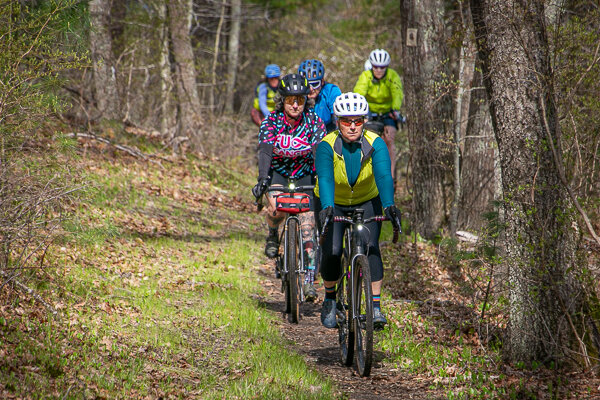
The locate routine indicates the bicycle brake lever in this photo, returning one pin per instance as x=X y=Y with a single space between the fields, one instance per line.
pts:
x=324 y=231
x=259 y=204
x=395 y=237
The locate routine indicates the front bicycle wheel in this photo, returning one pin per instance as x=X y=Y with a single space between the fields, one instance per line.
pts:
x=363 y=321
x=344 y=316
x=292 y=284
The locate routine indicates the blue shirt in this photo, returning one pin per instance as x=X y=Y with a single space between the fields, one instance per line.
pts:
x=352 y=158
x=324 y=104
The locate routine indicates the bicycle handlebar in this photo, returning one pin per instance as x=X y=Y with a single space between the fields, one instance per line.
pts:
x=349 y=220
x=295 y=189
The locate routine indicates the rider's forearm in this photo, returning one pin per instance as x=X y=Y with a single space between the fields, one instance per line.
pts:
x=265 y=154
x=383 y=173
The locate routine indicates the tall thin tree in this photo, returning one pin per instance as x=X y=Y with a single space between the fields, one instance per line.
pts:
x=233 y=51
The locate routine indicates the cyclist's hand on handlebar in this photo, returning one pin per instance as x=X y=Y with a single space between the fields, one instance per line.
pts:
x=394 y=216
x=259 y=189
x=325 y=215
x=398 y=117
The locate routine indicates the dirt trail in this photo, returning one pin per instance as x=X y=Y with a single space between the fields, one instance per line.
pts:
x=319 y=346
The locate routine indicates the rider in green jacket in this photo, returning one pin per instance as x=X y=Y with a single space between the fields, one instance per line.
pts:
x=382 y=88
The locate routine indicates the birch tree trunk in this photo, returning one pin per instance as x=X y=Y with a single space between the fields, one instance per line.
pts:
x=105 y=81
x=232 y=58
x=539 y=241
x=189 y=117
x=429 y=110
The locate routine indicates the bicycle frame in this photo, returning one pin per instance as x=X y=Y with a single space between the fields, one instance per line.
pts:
x=285 y=236
x=291 y=200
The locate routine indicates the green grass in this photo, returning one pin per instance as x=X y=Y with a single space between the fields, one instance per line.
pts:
x=155 y=299
x=417 y=345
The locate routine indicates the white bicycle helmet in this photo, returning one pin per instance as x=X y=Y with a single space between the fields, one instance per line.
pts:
x=350 y=104
x=379 y=58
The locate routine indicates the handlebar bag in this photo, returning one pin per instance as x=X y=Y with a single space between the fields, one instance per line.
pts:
x=293 y=203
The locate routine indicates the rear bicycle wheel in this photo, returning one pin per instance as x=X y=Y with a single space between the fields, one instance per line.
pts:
x=344 y=316
x=363 y=321
x=292 y=284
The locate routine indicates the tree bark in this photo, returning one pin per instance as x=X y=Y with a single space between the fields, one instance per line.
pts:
x=189 y=117
x=479 y=176
x=429 y=110
x=105 y=81
x=232 y=58
x=466 y=70
x=539 y=242
x=166 y=83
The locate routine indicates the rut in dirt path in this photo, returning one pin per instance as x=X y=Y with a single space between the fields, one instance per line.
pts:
x=319 y=347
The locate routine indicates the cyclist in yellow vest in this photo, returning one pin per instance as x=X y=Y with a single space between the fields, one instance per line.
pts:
x=265 y=93
x=382 y=88
x=353 y=171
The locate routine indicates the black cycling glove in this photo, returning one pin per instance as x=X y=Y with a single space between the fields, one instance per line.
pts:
x=394 y=216
x=325 y=214
x=259 y=189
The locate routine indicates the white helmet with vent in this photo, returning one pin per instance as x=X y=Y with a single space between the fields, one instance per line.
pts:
x=379 y=58
x=350 y=104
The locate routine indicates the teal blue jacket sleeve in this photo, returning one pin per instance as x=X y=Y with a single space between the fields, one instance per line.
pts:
x=324 y=168
x=382 y=171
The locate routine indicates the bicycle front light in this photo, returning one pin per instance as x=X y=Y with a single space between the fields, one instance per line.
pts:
x=359 y=227
x=292 y=186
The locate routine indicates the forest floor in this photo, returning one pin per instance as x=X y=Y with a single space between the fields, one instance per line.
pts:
x=162 y=291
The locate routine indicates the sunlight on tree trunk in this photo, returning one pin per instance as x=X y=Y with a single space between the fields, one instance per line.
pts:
x=540 y=244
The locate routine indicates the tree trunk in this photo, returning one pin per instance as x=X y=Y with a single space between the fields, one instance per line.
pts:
x=539 y=242
x=105 y=81
x=466 y=71
x=232 y=58
x=213 y=87
x=429 y=110
x=189 y=118
x=479 y=175
x=166 y=83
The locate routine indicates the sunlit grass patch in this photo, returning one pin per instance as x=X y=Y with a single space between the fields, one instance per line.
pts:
x=417 y=343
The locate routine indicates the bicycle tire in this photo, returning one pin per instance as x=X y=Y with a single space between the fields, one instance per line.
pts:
x=292 y=271
x=363 y=322
x=284 y=284
x=344 y=314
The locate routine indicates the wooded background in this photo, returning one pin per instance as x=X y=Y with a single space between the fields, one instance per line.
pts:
x=501 y=97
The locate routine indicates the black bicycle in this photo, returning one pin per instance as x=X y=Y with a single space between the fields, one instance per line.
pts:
x=354 y=297
x=375 y=122
x=290 y=265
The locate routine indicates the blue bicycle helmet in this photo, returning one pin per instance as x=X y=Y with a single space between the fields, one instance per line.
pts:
x=272 y=71
x=293 y=85
x=313 y=70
